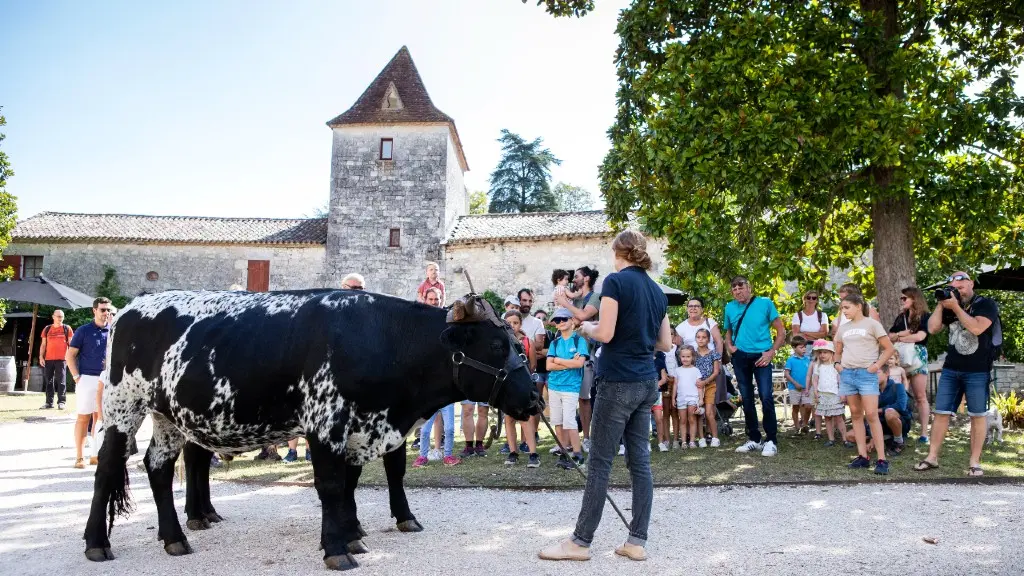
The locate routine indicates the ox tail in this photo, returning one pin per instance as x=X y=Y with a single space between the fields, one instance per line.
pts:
x=119 y=500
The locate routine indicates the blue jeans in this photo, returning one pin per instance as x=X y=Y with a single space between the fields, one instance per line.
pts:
x=746 y=373
x=621 y=410
x=448 y=418
x=858 y=381
x=954 y=385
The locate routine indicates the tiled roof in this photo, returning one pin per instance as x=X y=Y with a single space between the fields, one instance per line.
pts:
x=485 y=227
x=416 y=106
x=67 y=227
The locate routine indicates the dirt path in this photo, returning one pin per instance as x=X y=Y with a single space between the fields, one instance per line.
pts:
x=275 y=530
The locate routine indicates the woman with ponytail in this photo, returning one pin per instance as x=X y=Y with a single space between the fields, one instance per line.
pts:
x=633 y=324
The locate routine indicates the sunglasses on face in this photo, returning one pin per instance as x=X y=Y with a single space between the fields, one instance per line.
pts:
x=693 y=306
x=355 y=287
x=739 y=284
x=104 y=309
x=810 y=297
x=957 y=278
x=560 y=320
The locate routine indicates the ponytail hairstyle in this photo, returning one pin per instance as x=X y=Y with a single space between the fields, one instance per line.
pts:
x=858 y=300
x=631 y=246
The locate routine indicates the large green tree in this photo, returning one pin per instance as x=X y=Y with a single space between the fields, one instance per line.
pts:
x=8 y=207
x=478 y=202
x=780 y=138
x=522 y=180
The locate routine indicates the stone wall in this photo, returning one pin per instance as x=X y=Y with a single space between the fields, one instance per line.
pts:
x=370 y=196
x=457 y=197
x=505 y=267
x=193 y=267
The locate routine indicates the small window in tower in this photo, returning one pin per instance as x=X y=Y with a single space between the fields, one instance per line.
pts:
x=386 y=148
x=395 y=238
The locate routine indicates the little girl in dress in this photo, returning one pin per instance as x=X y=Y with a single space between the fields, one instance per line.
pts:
x=560 y=279
x=825 y=388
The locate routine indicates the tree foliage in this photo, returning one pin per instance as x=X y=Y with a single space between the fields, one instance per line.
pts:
x=522 y=180
x=8 y=209
x=569 y=198
x=566 y=7
x=109 y=287
x=780 y=139
x=478 y=202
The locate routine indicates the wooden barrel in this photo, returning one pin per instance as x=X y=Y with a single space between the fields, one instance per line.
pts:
x=8 y=373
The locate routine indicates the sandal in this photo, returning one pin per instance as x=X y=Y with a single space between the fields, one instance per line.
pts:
x=975 y=471
x=925 y=465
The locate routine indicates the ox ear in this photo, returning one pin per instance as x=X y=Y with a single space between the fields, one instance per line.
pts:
x=454 y=338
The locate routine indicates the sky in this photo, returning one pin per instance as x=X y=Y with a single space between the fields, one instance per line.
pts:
x=220 y=108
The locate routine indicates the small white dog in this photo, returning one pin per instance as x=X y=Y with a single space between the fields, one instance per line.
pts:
x=993 y=421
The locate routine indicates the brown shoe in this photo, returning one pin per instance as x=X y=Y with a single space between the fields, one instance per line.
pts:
x=79 y=463
x=93 y=461
x=565 y=550
x=632 y=551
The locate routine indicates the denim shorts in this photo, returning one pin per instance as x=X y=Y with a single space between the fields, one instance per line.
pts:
x=954 y=385
x=471 y=403
x=858 y=381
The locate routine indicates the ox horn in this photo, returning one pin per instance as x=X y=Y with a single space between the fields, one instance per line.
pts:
x=465 y=272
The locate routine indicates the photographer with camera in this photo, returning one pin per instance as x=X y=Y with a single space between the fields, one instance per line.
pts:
x=973 y=321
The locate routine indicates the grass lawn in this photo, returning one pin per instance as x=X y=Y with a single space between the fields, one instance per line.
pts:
x=18 y=407
x=799 y=460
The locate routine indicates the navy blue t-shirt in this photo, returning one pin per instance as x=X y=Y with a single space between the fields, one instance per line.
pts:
x=91 y=341
x=629 y=356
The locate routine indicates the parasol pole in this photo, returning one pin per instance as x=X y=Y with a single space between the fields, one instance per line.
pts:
x=31 y=341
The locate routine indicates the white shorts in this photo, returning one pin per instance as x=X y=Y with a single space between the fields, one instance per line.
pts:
x=562 y=406
x=85 y=393
x=683 y=401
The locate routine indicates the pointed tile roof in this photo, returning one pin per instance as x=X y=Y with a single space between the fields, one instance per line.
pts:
x=476 y=228
x=416 y=106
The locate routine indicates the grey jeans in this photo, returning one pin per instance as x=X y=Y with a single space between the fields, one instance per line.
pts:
x=621 y=410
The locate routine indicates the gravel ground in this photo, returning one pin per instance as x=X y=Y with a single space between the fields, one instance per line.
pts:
x=275 y=530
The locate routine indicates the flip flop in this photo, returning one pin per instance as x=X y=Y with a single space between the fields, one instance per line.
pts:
x=975 y=471
x=925 y=465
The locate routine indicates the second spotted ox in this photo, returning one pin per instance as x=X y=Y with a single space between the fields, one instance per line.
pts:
x=228 y=372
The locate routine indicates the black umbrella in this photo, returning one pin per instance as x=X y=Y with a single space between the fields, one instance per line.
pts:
x=40 y=290
x=1010 y=279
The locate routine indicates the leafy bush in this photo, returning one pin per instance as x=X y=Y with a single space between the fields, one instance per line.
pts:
x=496 y=301
x=1011 y=406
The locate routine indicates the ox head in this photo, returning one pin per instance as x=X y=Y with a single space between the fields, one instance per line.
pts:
x=488 y=363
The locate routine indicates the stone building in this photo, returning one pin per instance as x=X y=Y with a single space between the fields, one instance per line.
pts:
x=397 y=200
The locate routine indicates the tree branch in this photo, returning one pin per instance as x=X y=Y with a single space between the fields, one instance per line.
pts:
x=920 y=29
x=991 y=153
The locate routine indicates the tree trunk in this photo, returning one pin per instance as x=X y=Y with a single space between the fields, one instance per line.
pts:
x=893 y=251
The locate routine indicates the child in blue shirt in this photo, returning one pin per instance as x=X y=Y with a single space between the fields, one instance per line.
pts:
x=800 y=396
x=566 y=355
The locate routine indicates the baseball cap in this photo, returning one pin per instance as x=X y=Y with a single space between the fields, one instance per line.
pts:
x=561 y=313
x=513 y=300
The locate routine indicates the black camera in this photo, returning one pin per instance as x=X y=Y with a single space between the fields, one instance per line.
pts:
x=947 y=292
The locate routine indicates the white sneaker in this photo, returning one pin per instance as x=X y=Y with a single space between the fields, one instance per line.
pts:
x=622 y=450
x=555 y=449
x=663 y=447
x=750 y=446
x=586 y=445
x=434 y=455
x=715 y=442
x=769 y=449
x=694 y=444
x=702 y=443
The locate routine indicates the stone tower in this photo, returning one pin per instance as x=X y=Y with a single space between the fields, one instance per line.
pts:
x=396 y=183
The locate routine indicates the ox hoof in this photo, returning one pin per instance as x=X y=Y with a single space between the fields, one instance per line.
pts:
x=178 y=548
x=357 y=547
x=214 y=517
x=410 y=526
x=341 y=562
x=362 y=533
x=99 y=554
x=198 y=524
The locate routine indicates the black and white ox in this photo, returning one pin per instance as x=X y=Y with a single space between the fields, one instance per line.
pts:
x=228 y=372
